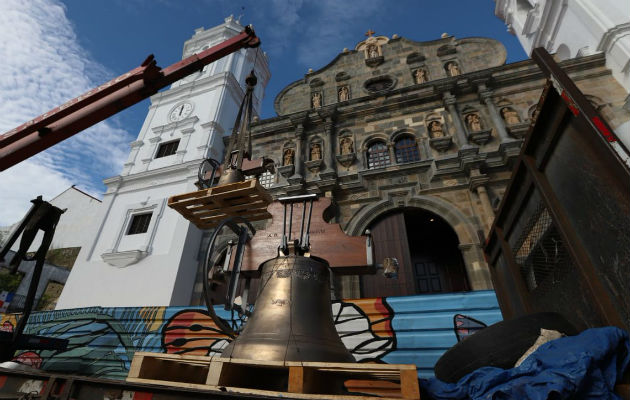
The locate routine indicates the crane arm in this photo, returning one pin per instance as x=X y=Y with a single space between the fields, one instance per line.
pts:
x=108 y=99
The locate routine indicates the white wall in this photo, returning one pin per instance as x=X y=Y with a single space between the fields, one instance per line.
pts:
x=76 y=225
x=573 y=28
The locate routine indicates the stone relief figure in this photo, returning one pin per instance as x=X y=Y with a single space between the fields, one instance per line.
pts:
x=452 y=68
x=435 y=129
x=346 y=146
x=288 y=156
x=316 y=151
x=510 y=116
x=316 y=100
x=474 y=122
x=420 y=75
x=344 y=94
x=372 y=51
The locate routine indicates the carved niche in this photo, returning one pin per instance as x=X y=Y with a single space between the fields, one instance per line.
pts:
x=316 y=100
x=288 y=161
x=420 y=75
x=343 y=93
x=513 y=124
x=452 y=68
x=372 y=50
x=316 y=159
x=439 y=138
x=346 y=154
x=476 y=131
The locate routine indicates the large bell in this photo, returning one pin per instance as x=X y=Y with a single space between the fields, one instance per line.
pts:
x=292 y=318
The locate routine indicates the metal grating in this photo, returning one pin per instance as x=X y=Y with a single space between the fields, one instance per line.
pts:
x=378 y=155
x=541 y=254
x=406 y=150
x=267 y=179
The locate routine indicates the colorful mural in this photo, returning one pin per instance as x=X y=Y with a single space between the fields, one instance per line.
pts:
x=102 y=341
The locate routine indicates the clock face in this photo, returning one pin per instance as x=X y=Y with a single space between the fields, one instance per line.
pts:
x=180 y=112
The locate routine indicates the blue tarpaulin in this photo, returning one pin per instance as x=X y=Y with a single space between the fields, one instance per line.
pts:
x=585 y=366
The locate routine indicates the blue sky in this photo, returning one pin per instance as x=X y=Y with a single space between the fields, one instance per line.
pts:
x=54 y=50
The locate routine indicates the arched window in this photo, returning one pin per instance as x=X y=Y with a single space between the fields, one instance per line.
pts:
x=406 y=150
x=378 y=155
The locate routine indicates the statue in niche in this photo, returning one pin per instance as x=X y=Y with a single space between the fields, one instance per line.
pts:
x=288 y=156
x=474 y=122
x=420 y=75
x=372 y=51
x=510 y=116
x=316 y=100
x=346 y=146
x=344 y=94
x=452 y=68
x=316 y=151
x=435 y=129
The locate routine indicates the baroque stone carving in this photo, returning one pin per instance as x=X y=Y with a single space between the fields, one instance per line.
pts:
x=435 y=129
x=420 y=75
x=477 y=133
x=452 y=68
x=346 y=146
x=316 y=100
x=473 y=122
x=344 y=93
x=372 y=51
x=316 y=151
x=288 y=157
x=510 y=116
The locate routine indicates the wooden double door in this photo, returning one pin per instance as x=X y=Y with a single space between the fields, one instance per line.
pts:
x=427 y=251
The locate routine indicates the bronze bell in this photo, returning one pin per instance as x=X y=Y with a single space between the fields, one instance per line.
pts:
x=292 y=319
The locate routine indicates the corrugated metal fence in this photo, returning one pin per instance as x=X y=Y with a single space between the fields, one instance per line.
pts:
x=408 y=330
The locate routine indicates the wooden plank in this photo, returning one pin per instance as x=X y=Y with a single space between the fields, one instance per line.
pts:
x=409 y=384
x=308 y=380
x=296 y=379
x=214 y=373
x=214 y=221
x=136 y=362
x=205 y=208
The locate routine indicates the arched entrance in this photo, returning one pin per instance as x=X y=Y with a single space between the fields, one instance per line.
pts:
x=426 y=248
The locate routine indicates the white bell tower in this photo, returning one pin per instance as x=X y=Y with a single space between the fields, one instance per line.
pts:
x=144 y=253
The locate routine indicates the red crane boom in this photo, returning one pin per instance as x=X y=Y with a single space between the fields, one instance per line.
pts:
x=108 y=99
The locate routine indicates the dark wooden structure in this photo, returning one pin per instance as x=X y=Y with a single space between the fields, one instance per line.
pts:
x=345 y=254
x=561 y=239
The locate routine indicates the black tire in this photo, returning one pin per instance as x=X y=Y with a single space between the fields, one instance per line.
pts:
x=499 y=345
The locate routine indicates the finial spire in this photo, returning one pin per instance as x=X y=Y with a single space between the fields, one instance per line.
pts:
x=369 y=33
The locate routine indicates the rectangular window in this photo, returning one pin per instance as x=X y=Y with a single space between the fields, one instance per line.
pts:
x=139 y=224
x=167 y=149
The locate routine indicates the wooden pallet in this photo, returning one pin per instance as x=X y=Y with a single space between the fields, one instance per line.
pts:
x=207 y=208
x=303 y=380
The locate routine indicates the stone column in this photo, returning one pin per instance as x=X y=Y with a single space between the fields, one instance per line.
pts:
x=476 y=267
x=451 y=103
x=298 y=160
x=392 y=153
x=329 y=158
x=486 y=98
x=478 y=185
x=427 y=149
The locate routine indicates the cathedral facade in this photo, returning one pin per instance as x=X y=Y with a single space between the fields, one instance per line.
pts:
x=414 y=143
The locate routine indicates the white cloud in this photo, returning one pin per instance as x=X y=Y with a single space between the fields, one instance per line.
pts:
x=319 y=30
x=42 y=67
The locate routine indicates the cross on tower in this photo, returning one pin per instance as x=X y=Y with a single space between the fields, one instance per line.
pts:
x=369 y=33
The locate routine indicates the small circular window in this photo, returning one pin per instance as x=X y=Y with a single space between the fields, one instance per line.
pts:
x=379 y=84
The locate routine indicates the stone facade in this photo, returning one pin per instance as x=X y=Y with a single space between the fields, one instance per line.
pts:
x=444 y=145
